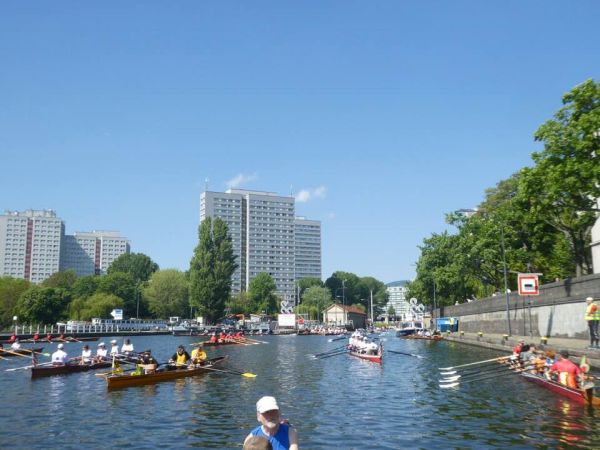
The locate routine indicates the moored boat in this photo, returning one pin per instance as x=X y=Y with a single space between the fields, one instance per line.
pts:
x=428 y=338
x=409 y=328
x=9 y=352
x=123 y=381
x=49 y=370
x=585 y=397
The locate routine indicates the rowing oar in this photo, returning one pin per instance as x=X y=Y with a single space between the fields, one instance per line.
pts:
x=404 y=353
x=450 y=384
x=28 y=367
x=333 y=350
x=500 y=358
x=234 y=372
x=341 y=352
x=474 y=374
x=256 y=340
x=22 y=355
x=337 y=338
x=474 y=370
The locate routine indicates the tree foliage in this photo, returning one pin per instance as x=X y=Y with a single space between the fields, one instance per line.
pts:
x=350 y=289
x=315 y=300
x=43 y=305
x=10 y=291
x=167 y=294
x=98 y=305
x=211 y=269
x=123 y=286
x=262 y=294
x=138 y=265
x=63 y=280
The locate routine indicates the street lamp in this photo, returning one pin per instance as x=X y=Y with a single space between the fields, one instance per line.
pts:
x=15 y=318
x=505 y=280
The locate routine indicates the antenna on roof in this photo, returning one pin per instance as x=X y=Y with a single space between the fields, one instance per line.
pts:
x=206 y=180
x=291 y=190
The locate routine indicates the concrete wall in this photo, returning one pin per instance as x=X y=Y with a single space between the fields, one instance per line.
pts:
x=558 y=311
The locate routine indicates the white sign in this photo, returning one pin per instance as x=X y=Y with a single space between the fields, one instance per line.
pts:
x=528 y=284
x=117 y=314
x=286 y=320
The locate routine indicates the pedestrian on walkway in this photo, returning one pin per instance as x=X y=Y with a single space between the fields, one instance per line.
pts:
x=592 y=316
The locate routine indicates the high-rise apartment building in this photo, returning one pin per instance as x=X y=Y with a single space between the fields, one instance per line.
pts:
x=397 y=298
x=91 y=253
x=262 y=227
x=307 y=236
x=30 y=243
x=33 y=246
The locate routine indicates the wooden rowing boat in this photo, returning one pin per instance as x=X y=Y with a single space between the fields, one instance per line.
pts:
x=43 y=339
x=216 y=344
x=49 y=370
x=427 y=338
x=585 y=397
x=378 y=358
x=8 y=353
x=122 y=381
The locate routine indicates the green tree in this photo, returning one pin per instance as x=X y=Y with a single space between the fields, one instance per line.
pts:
x=64 y=280
x=123 y=286
x=562 y=189
x=314 y=301
x=167 y=293
x=100 y=305
x=345 y=287
x=85 y=287
x=138 y=265
x=391 y=312
x=211 y=269
x=43 y=305
x=239 y=303
x=262 y=294
x=10 y=291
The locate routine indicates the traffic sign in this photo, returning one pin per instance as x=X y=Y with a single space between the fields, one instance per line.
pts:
x=528 y=284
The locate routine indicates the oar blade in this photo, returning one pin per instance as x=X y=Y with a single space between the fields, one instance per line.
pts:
x=249 y=375
x=451 y=385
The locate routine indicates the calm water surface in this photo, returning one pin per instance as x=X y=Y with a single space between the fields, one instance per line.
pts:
x=339 y=402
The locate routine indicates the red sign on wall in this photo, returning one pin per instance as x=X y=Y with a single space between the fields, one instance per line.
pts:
x=528 y=284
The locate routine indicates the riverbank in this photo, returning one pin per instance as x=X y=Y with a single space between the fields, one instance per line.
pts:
x=577 y=347
x=5 y=337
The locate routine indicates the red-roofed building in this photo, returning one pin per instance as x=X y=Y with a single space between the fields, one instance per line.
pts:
x=350 y=316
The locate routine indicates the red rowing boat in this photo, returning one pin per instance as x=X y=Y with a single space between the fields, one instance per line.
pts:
x=585 y=397
x=378 y=358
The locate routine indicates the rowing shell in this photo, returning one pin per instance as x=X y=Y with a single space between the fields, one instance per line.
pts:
x=585 y=397
x=378 y=358
x=48 y=371
x=21 y=352
x=123 y=381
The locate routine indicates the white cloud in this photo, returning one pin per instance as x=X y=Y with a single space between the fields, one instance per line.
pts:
x=306 y=195
x=240 y=179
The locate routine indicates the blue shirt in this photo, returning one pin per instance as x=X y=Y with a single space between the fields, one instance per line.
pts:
x=281 y=440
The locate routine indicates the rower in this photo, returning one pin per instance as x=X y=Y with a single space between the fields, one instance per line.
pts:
x=146 y=363
x=59 y=357
x=566 y=369
x=36 y=337
x=198 y=355
x=180 y=358
x=114 y=349
x=127 y=347
x=213 y=338
x=86 y=355
x=101 y=352
x=16 y=345
x=49 y=337
x=12 y=339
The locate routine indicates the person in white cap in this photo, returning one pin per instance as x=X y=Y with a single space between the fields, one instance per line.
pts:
x=59 y=357
x=279 y=433
x=114 y=349
x=101 y=352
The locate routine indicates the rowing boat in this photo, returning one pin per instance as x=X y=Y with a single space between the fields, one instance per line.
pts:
x=21 y=352
x=585 y=397
x=43 y=339
x=216 y=344
x=428 y=338
x=48 y=371
x=378 y=358
x=122 y=381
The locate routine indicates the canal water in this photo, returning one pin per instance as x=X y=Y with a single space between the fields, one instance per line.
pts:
x=339 y=402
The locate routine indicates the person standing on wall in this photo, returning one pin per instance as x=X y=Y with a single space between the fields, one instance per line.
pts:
x=592 y=316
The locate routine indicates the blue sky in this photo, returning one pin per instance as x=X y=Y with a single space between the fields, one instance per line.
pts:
x=385 y=115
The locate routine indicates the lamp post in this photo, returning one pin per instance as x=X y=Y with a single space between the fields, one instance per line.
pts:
x=343 y=292
x=505 y=280
x=15 y=318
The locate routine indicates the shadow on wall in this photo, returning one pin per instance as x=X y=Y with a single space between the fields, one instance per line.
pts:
x=568 y=286
x=550 y=320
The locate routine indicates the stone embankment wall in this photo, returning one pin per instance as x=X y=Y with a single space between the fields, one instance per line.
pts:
x=558 y=311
